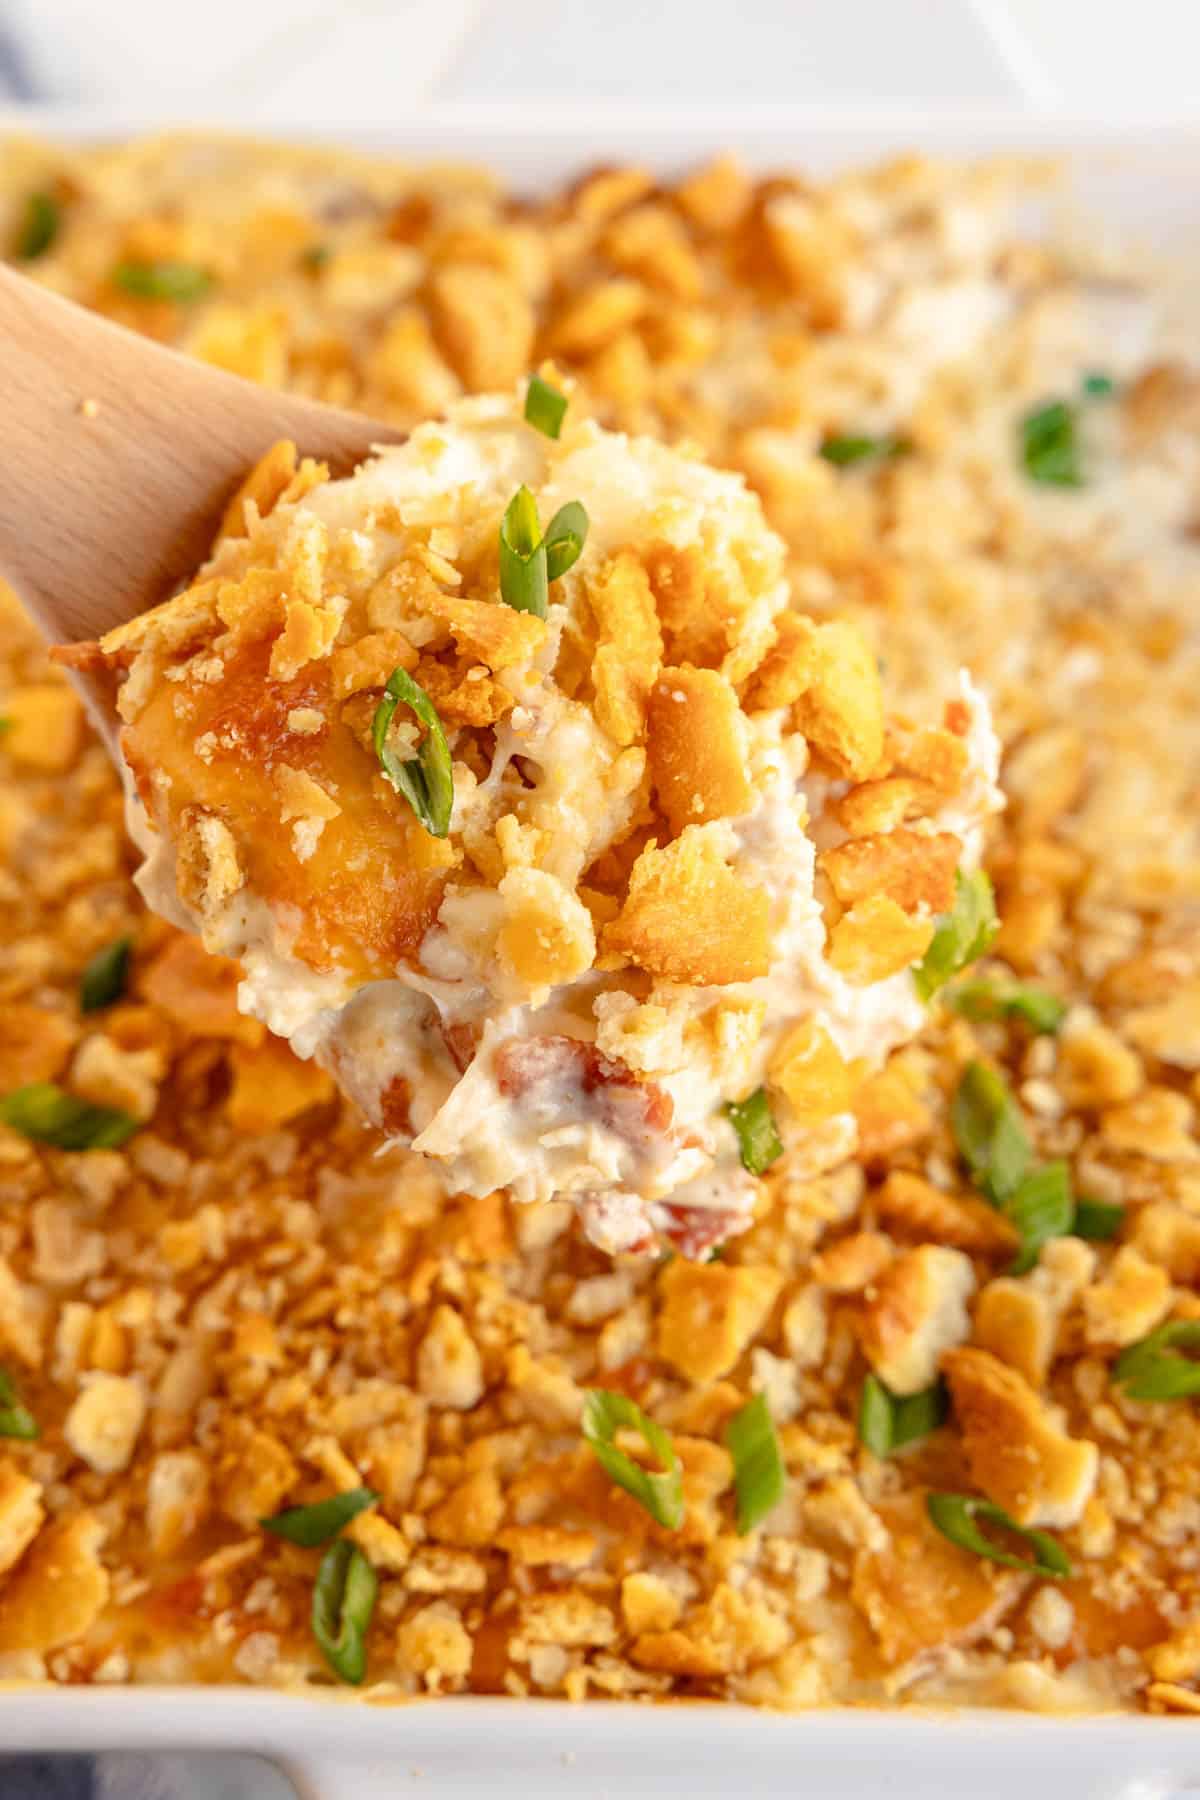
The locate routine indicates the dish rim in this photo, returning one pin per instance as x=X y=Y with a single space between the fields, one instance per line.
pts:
x=922 y=1748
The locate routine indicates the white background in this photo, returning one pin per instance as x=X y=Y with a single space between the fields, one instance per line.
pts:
x=344 y=59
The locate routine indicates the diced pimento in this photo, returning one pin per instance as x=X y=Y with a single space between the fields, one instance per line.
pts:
x=551 y=1077
x=696 y=1231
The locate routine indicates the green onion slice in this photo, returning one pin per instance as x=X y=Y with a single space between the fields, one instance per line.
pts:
x=315 y=257
x=46 y=1114
x=566 y=535
x=759 y=1477
x=529 y=562
x=1098 y=386
x=995 y=1146
x=845 y=451
x=40 y=225
x=1156 y=1368
x=1049 y=445
x=342 y=1604
x=1036 y=1007
x=757 y=1135
x=425 y=780
x=1042 y=1208
x=660 y=1492
x=989 y=1132
x=104 y=978
x=545 y=407
x=955 y=1516
x=888 y=1421
x=524 y=583
x=914 y=1416
x=16 y=1421
x=1097 y=1220
x=962 y=935
x=875 y=1417
x=316 y=1524
x=178 y=281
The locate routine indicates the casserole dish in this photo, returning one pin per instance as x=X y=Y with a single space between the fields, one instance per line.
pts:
x=1132 y=183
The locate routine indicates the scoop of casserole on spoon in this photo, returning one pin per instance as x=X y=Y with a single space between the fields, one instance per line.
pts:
x=504 y=768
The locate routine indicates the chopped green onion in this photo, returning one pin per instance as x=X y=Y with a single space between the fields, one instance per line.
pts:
x=660 y=1492
x=39 y=227
x=843 y=452
x=524 y=583
x=103 y=980
x=757 y=1135
x=16 y=1421
x=545 y=407
x=955 y=1514
x=990 y=1133
x=1042 y=1208
x=1097 y=1220
x=565 y=537
x=995 y=1146
x=425 y=780
x=914 y=1416
x=759 y=1477
x=315 y=257
x=316 y=1524
x=1098 y=386
x=6 y=724
x=888 y=1421
x=342 y=1604
x=179 y=281
x=46 y=1114
x=530 y=562
x=875 y=1417
x=1042 y=1011
x=961 y=936
x=1049 y=446
x=1155 y=1369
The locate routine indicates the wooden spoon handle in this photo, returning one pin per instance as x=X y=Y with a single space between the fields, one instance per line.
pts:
x=119 y=456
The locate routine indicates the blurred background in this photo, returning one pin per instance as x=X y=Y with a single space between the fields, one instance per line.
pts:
x=345 y=60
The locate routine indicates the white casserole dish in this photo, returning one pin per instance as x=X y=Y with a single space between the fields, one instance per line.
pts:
x=1139 y=177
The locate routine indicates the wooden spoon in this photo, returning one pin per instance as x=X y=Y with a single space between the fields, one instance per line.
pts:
x=119 y=456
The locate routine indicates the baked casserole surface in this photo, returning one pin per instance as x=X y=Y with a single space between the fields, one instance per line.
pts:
x=979 y=449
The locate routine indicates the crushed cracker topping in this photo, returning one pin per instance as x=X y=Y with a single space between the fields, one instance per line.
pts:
x=246 y=1306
